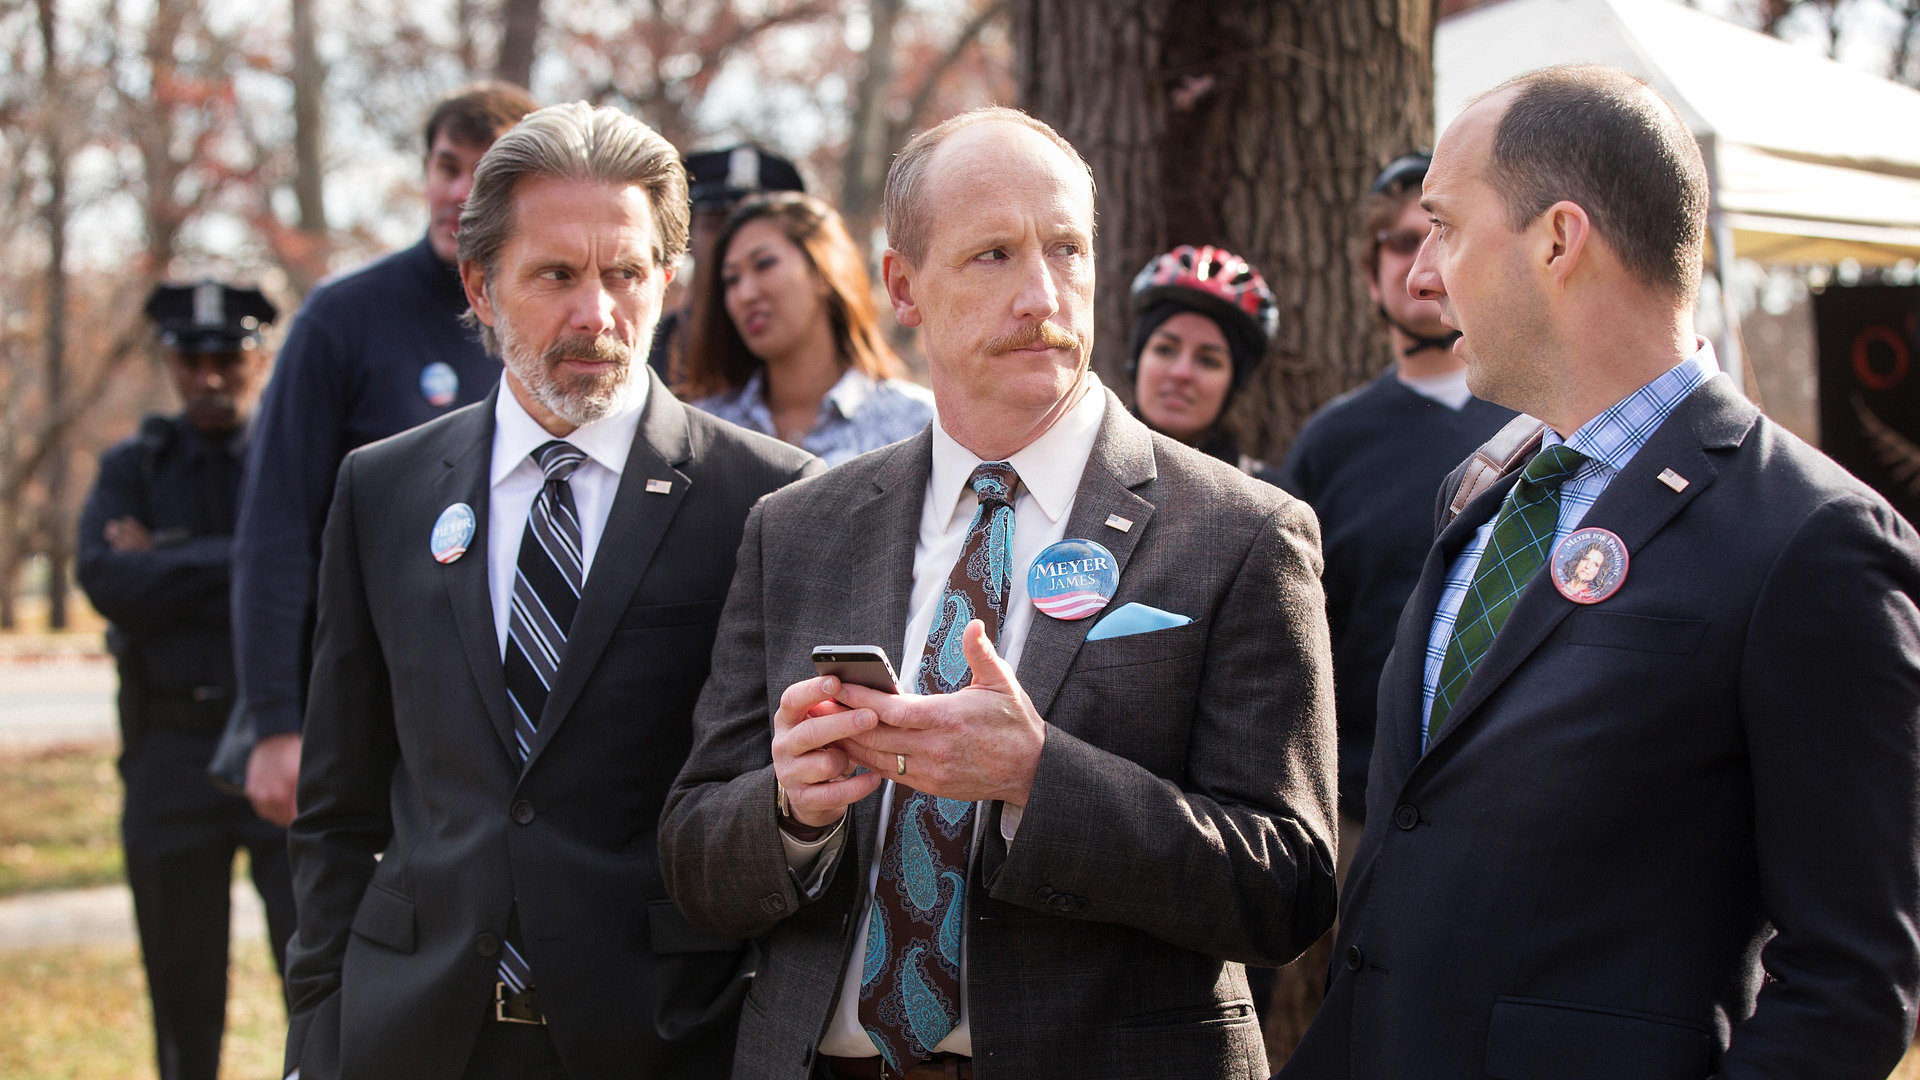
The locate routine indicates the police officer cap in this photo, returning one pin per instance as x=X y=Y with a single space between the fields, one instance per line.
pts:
x=208 y=316
x=716 y=179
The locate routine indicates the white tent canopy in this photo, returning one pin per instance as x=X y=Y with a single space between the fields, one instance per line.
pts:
x=1810 y=161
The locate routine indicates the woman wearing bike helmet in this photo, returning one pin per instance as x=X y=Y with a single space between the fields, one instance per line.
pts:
x=1202 y=318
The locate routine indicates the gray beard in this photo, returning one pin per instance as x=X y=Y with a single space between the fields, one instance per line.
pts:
x=578 y=401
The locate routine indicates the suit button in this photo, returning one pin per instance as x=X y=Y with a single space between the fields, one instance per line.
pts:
x=523 y=812
x=1060 y=903
x=1043 y=891
x=1406 y=816
x=1354 y=957
x=773 y=903
x=486 y=945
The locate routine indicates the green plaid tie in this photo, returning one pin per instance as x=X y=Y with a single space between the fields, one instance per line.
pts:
x=1515 y=553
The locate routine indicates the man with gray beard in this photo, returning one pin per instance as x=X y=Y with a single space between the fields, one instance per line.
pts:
x=517 y=603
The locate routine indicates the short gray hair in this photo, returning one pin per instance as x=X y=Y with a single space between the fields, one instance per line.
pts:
x=575 y=142
x=907 y=224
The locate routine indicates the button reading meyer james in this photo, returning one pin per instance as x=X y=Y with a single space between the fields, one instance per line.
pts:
x=1073 y=579
x=452 y=533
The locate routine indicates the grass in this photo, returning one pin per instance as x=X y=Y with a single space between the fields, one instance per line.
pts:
x=59 y=819
x=82 y=1014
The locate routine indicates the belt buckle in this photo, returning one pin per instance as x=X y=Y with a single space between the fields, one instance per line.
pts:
x=500 y=999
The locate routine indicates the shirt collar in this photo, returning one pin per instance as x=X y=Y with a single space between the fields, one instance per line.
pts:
x=851 y=392
x=606 y=441
x=1618 y=433
x=847 y=395
x=1049 y=466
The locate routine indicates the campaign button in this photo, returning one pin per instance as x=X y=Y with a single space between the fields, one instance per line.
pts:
x=452 y=533
x=439 y=384
x=1589 y=565
x=1073 y=579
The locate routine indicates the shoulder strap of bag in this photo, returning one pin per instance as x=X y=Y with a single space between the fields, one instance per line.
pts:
x=1508 y=450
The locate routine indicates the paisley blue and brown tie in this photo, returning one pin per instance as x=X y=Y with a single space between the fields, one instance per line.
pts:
x=910 y=985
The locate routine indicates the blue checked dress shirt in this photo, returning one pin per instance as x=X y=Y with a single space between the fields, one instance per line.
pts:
x=859 y=414
x=1609 y=441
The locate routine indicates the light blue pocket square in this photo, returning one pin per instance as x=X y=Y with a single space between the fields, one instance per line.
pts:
x=1135 y=619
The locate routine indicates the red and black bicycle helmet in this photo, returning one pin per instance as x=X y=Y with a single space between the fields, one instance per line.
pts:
x=1217 y=283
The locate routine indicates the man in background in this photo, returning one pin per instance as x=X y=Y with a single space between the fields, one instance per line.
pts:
x=372 y=353
x=156 y=557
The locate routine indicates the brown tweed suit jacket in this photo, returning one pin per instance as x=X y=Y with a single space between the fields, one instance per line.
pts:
x=1181 y=821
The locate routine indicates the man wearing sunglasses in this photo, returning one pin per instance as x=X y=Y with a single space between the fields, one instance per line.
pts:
x=1370 y=461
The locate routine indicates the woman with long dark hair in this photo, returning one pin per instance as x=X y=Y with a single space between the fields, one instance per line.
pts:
x=791 y=344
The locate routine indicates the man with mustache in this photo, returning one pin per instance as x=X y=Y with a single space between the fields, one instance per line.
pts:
x=517 y=603
x=1079 y=825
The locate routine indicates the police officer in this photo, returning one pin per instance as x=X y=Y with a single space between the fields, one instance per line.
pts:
x=717 y=181
x=156 y=552
x=372 y=353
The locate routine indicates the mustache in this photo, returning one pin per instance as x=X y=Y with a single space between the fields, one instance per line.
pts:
x=1040 y=333
x=581 y=347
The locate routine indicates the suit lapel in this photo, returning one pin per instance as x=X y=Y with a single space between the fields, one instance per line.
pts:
x=636 y=523
x=468 y=479
x=1122 y=460
x=1408 y=665
x=884 y=528
x=1635 y=507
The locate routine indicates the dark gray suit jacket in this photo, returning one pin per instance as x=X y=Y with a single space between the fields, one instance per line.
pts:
x=1670 y=835
x=409 y=751
x=1181 y=819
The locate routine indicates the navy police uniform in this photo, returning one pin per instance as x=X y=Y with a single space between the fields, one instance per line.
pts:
x=171 y=635
x=373 y=352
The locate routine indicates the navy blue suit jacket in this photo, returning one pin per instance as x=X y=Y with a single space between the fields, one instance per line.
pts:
x=1675 y=834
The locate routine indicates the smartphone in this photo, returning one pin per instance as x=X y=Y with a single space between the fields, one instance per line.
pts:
x=861 y=665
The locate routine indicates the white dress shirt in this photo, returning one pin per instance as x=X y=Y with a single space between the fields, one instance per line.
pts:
x=516 y=479
x=1049 y=470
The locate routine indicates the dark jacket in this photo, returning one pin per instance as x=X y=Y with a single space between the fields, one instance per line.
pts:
x=1368 y=463
x=168 y=606
x=409 y=750
x=1667 y=836
x=353 y=370
x=1181 y=820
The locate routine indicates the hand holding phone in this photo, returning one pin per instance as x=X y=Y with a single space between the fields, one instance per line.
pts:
x=816 y=779
x=861 y=665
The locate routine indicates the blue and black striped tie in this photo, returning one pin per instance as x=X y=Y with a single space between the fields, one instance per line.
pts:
x=546 y=592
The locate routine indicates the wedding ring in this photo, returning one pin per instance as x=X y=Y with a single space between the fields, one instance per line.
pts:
x=900 y=764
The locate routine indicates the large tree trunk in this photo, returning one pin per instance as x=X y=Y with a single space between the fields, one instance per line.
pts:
x=1254 y=125
x=1250 y=124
